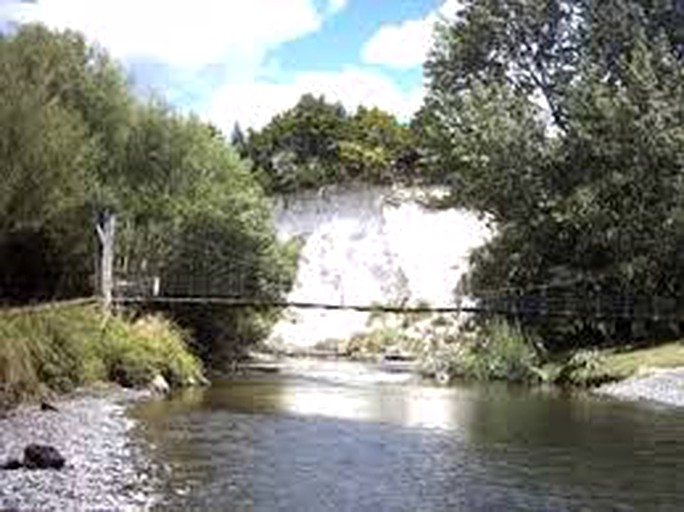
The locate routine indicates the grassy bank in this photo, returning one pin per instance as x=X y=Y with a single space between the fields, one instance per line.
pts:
x=589 y=368
x=58 y=349
x=501 y=351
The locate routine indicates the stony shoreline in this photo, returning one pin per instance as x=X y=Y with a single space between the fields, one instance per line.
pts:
x=105 y=468
x=665 y=386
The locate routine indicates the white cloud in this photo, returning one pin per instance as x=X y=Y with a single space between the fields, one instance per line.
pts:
x=181 y=33
x=399 y=46
x=335 y=6
x=406 y=45
x=253 y=104
x=188 y=36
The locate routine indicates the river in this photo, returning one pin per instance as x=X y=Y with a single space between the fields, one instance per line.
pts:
x=346 y=436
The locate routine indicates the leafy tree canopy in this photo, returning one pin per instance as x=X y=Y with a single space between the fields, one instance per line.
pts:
x=318 y=143
x=74 y=140
x=562 y=121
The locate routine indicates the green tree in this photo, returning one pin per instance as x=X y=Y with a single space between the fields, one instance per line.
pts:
x=317 y=143
x=238 y=140
x=75 y=140
x=299 y=147
x=59 y=115
x=568 y=139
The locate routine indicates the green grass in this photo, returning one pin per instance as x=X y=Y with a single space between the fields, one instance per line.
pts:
x=59 y=349
x=618 y=364
x=628 y=362
x=586 y=368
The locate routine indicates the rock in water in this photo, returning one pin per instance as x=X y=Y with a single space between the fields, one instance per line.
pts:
x=42 y=457
x=159 y=385
x=443 y=378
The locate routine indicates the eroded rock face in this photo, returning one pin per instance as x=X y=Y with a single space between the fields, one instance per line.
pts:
x=38 y=456
x=369 y=245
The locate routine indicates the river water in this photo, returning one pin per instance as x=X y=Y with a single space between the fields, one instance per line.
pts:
x=345 y=436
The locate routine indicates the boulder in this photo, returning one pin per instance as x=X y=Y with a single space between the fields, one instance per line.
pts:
x=38 y=456
x=159 y=385
x=11 y=465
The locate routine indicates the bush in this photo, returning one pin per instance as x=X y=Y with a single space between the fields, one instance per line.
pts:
x=584 y=368
x=134 y=353
x=62 y=348
x=380 y=341
x=497 y=351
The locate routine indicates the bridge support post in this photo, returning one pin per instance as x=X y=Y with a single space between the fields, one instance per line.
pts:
x=106 y=232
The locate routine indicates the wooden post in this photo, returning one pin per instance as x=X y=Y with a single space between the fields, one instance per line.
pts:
x=106 y=231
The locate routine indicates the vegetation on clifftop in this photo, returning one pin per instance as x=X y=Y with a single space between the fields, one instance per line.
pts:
x=317 y=143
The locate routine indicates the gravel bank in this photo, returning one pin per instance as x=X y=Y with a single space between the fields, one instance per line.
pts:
x=659 y=385
x=105 y=469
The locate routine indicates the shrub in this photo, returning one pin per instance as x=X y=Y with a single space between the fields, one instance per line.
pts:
x=497 y=351
x=135 y=352
x=62 y=348
x=584 y=368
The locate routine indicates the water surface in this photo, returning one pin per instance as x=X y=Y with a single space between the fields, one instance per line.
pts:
x=343 y=436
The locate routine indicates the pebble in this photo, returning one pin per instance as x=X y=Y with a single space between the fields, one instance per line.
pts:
x=658 y=385
x=105 y=467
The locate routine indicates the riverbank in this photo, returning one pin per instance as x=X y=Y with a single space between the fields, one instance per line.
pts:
x=665 y=386
x=104 y=468
x=644 y=372
x=654 y=373
x=52 y=350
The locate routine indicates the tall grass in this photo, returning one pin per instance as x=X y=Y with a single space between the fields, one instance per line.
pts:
x=62 y=348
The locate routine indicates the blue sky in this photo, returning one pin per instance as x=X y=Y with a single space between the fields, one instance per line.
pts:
x=245 y=60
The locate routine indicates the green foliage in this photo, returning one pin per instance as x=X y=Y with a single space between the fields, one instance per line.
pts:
x=375 y=343
x=65 y=347
x=74 y=141
x=565 y=129
x=498 y=351
x=583 y=368
x=317 y=143
x=135 y=352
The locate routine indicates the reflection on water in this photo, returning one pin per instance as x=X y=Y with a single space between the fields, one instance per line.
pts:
x=421 y=407
x=311 y=440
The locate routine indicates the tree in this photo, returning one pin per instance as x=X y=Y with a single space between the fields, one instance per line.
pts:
x=74 y=140
x=57 y=97
x=194 y=215
x=317 y=143
x=584 y=186
x=238 y=140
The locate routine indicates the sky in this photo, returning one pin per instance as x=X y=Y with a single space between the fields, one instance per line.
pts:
x=246 y=60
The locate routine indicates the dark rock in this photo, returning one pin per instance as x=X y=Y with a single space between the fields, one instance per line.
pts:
x=42 y=457
x=45 y=406
x=11 y=465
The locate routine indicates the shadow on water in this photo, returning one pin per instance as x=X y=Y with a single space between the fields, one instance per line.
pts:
x=287 y=443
